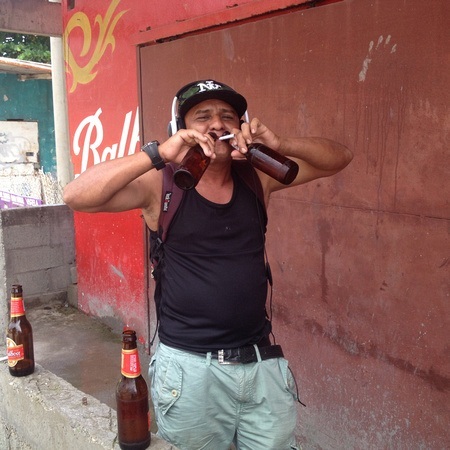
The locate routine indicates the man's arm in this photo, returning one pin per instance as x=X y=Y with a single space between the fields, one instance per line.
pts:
x=130 y=182
x=112 y=186
x=317 y=157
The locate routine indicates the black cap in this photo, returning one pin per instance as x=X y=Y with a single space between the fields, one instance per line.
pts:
x=198 y=91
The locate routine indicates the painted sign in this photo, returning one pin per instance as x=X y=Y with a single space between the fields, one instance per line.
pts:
x=104 y=124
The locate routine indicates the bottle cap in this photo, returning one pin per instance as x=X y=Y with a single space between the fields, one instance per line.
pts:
x=16 y=289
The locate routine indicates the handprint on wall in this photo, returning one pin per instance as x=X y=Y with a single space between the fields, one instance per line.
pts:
x=372 y=53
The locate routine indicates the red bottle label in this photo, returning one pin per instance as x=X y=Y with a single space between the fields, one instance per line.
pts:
x=17 y=307
x=131 y=366
x=15 y=352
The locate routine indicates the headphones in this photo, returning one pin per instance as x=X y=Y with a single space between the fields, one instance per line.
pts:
x=177 y=123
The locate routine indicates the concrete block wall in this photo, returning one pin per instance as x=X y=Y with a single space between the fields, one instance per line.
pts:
x=36 y=250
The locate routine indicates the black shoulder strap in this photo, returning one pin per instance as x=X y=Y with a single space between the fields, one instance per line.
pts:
x=248 y=174
x=171 y=199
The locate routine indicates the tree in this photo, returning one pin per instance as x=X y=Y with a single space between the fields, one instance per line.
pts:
x=26 y=47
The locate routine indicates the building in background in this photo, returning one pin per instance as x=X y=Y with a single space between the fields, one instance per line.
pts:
x=27 y=135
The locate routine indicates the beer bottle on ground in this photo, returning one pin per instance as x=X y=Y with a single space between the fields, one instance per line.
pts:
x=133 y=418
x=19 y=337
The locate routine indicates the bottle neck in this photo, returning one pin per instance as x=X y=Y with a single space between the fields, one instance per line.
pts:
x=17 y=307
x=130 y=366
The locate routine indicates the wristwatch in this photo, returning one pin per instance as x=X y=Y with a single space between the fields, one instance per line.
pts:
x=152 y=151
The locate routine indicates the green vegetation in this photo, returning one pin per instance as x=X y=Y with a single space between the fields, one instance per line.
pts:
x=26 y=47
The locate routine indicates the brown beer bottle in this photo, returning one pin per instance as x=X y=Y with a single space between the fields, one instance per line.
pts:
x=272 y=163
x=19 y=337
x=133 y=418
x=192 y=168
x=265 y=159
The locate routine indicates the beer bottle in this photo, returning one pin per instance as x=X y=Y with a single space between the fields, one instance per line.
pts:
x=272 y=163
x=192 y=167
x=19 y=337
x=269 y=161
x=133 y=418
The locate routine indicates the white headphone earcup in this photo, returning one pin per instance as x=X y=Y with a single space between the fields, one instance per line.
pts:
x=173 y=124
x=172 y=128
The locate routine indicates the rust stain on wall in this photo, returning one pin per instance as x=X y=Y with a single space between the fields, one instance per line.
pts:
x=325 y=242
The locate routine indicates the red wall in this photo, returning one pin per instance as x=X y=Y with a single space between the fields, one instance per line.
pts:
x=104 y=124
x=360 y=260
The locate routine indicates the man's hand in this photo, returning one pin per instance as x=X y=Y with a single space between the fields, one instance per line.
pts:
x=255 y=131
x=176 y=147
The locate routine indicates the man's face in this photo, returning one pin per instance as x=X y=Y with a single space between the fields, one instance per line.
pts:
x=212 y=116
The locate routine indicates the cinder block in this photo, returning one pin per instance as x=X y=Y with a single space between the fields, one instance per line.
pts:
x=34 y=258
x=34 y=283
x=59 y=278
x=27 y=235
x=37 y=250
x=72 y=295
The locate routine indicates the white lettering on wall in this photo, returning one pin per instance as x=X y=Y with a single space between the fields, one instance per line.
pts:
x=88 y=139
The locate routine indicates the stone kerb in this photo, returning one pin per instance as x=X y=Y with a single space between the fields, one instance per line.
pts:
x=42 y=411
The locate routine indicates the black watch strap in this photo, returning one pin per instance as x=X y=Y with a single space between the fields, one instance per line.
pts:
x=152 y=151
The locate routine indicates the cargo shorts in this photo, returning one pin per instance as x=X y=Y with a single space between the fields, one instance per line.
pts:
x=201 y=404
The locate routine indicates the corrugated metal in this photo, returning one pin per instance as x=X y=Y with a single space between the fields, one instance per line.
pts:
x=10 y=65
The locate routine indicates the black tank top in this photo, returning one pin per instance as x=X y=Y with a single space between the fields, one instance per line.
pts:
x=213 y=282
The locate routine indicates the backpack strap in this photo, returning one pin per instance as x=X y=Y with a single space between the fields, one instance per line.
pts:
x=248 y=174
x=172 y=196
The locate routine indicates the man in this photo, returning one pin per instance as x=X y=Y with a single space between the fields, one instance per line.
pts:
x=216 y=378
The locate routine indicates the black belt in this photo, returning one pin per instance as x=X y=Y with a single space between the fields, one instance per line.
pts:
x=247 y=354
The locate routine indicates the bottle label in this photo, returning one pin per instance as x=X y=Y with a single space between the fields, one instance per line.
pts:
x=17 y=307
x=15 y=352
x=131 y=366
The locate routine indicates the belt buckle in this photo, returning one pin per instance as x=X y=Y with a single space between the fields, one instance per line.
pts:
x=221 y=359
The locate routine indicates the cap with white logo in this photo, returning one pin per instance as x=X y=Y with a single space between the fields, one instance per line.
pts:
x=199 y=91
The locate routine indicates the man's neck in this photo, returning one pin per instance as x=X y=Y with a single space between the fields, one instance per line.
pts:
x=216 y=185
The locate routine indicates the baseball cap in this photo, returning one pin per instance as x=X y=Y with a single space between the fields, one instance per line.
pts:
x=198 y=91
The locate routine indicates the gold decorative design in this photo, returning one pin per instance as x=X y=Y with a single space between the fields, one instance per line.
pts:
x=84 y=74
